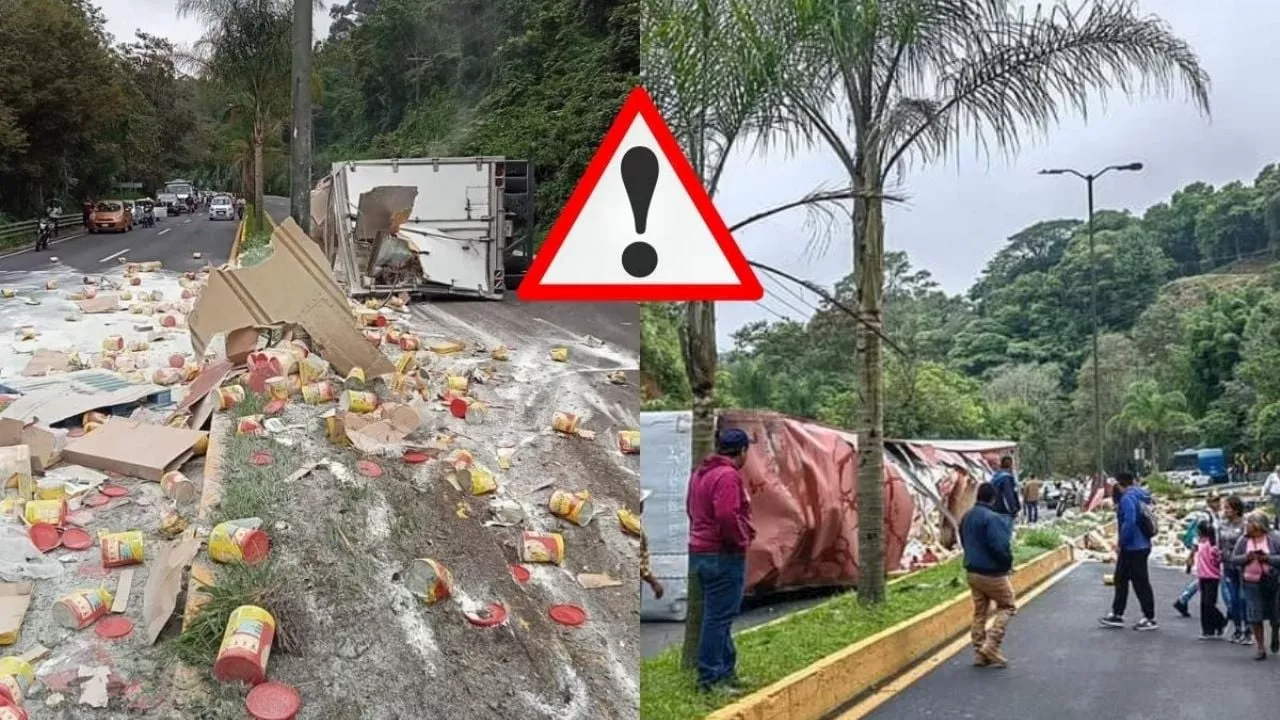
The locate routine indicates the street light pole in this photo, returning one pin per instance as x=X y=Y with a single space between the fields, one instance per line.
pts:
x=300 y=147
x=1093 y=301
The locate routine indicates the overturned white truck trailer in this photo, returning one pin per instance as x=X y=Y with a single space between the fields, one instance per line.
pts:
x=458 y=226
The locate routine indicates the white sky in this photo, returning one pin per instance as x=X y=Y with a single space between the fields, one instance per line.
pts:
x=956 y=218
x=157 y=17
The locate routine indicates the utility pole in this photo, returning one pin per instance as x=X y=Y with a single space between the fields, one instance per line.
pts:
x=1093 y=304
x=300 y=146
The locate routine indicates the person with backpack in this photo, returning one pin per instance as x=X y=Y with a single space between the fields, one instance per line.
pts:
x=1136 y=520
x=1190 y=539
x=1257 y=554
x=1006 y=485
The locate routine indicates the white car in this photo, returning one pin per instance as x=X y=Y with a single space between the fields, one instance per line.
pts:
x=222 y=208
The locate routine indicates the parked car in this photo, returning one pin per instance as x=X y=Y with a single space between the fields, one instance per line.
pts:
x=110 y=216
x=170 y=203
x=222 y=208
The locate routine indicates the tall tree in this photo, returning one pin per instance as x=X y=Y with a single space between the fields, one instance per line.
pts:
x=1153 y=413
x=883 y=82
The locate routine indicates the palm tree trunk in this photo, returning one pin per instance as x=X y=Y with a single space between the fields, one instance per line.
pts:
x=700 y=361
x=868 y=224
x=259 y=140
x=1155 y=458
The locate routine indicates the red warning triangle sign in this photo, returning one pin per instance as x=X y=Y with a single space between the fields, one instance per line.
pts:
x=639 y=227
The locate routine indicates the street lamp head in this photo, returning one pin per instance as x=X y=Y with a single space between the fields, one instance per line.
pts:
x=1132 y=167
x=1053 y=171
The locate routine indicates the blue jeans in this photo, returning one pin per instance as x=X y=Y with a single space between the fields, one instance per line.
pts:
x=1033 y=512
x=1233 y=598
x=1189 y=591
x=723 y=579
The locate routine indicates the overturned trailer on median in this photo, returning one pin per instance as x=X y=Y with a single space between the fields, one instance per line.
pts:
x=802 y=480
x=451 y=226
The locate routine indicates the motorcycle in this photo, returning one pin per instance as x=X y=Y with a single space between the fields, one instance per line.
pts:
x=44 y=234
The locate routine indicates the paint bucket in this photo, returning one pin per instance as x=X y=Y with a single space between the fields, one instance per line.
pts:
x=177 y=486
x=355 y=379
x=249 y=425
x=79 y=609
x=373 y=336
x=246 y=646
x=122 y=548
x=16 y=678
x=560 y=354
x=629 y=442
x=500 y=353
x=358 y=402
x=574 y=507
x=230 y=396
x=317 y=393
x=51 y=285
x=312 y=369
x=139 y=346
x=429 y=580
x=392 y=336
x=8 y=293
x=541 y=547
x=13 y=712
x=457 y=383
x=563 y=422
x=239 y=541
x=410 y=343
x=171 y=522
x=278 y=387
x=51 y=512
x=47 y=489
x=112 y=343
x=334 y=428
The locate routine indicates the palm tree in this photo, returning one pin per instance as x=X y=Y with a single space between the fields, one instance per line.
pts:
x=1149 y=411
x=885 y=83
x=246 y=53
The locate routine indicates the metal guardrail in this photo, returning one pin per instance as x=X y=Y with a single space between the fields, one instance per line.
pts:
x=13 y=233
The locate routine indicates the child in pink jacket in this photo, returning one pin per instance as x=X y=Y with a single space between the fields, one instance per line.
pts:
x=1207 y=562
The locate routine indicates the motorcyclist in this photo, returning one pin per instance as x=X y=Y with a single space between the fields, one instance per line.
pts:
x=52 y=212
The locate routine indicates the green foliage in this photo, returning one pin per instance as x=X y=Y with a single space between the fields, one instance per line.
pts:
x=1160 y=484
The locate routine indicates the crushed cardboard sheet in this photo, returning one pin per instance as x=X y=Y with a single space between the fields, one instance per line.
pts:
x=293 y=286
x=14 y=600
x=160 y=596
x=133 y=449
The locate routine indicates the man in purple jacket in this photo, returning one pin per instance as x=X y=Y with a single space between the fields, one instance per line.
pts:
x=720 y=531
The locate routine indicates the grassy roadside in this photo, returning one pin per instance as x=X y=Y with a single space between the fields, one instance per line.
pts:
x=768 y=654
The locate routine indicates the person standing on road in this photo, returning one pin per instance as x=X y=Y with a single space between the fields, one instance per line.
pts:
x=1134 y=518
x=1230 y=529
x=1271 y=491
x=1006 y=486
x=86 y=210
x=987 y=538
x=1206 y=562
x=720 y=531
x=1031 y=499
x=1190 y=539
x=1257 y=554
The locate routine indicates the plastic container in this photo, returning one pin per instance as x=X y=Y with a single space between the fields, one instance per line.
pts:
x=246 y=646
x=239 y=541
x=177 y=486
x=80 y=609
x=574 y=507
x=16 y=678
x=122 y=548
x=541 y=547
x=429 y=580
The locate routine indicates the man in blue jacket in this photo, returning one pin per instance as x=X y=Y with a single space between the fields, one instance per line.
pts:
x=1131 y=561
x=987 y=538
x=1006 y=487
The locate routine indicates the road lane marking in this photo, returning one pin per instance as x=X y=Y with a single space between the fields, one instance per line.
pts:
x=163 y=232
x=113 y=256
x=186 y=222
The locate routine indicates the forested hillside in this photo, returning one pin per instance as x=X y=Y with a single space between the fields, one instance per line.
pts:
x=528 y=79
x=1189 y=305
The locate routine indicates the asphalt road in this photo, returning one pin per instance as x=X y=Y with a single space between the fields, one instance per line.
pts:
x=615 y=323
x=1064 y=666
x=172 y=241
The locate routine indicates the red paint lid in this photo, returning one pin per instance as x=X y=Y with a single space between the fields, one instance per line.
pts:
x=570 y=615
x=256 y=547
x=97 y=500
x=113 y=491
x=413 y=457
x=369 y=468
x=238 y=668
x=75 y=538
x=273 y=701
x=44 y=536
x=380 y=321
x=495 y=613
x=113 y=626
x=520 y=573
x=261 y=458
x=458 y=408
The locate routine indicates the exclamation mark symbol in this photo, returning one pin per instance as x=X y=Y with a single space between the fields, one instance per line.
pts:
x=639 y=178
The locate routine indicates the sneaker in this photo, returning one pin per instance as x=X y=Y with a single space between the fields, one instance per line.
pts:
x=1210 y=636
x=980 y=660
x=1111 y=621
x=994 y=658
x=1181 y=607
x=1275 y=642
x=1147 y=624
